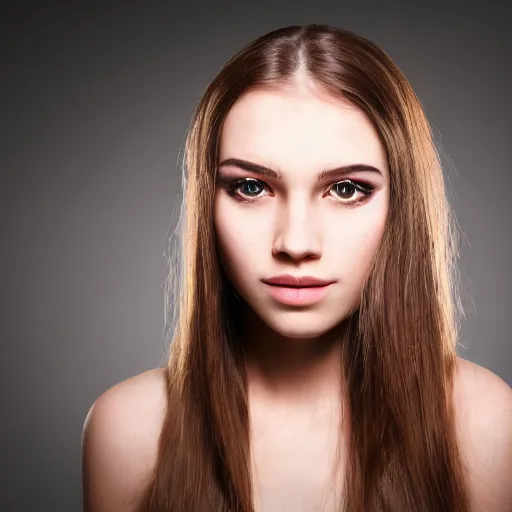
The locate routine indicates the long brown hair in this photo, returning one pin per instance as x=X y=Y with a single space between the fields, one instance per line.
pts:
x=399 y=353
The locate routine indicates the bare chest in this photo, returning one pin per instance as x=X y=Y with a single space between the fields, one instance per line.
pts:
x=294 y=461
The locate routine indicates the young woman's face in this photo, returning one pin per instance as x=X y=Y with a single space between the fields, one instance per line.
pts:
x=278 y=212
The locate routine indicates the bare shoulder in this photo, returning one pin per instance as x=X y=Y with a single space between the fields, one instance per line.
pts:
x=483 y=406
x=120 y=441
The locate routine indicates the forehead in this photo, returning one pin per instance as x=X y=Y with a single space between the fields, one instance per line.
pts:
x=293 y=128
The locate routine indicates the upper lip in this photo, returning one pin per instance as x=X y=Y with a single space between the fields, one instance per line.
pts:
x=296 y=281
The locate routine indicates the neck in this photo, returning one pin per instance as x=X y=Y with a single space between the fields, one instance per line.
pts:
x=297 y=372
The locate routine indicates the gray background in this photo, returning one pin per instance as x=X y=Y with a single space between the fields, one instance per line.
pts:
x=94 y=107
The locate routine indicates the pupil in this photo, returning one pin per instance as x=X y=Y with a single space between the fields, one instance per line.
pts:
x=251 y=187
x=345 y=189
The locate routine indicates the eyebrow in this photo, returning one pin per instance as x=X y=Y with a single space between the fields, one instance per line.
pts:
x=327 y=173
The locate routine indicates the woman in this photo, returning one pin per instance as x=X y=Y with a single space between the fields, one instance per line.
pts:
x=313 y=364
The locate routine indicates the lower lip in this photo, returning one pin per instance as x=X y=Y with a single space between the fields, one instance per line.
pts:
x=298 y=296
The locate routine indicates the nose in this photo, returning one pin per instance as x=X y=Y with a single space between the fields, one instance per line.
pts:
x=298 y=234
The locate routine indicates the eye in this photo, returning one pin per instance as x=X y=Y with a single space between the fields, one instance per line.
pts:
x=245 y=188
x=351 y=192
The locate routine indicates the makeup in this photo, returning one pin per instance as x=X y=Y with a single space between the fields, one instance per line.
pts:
x=293 y=296
x=297 y=290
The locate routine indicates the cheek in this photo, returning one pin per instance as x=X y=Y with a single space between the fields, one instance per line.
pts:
x=352 y=240
x=243 y=237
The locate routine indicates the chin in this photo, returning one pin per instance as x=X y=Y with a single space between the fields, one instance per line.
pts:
x=301 y=328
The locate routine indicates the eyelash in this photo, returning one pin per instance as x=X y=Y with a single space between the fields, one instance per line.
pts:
x=233 y=187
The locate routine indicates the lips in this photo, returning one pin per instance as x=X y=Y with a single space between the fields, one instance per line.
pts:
x=290 y=281
x=297 y=290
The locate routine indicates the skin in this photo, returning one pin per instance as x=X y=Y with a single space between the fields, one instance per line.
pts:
x=301 y=226
x=297 y=224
